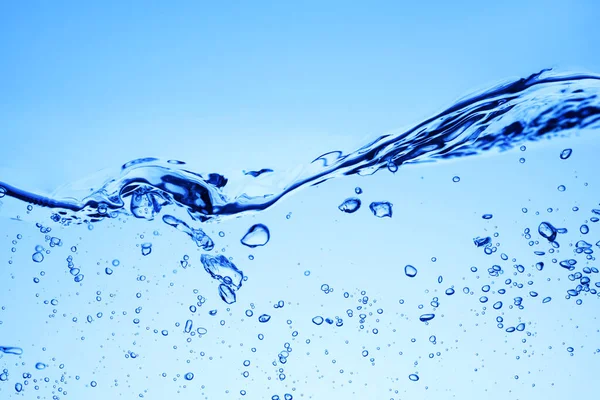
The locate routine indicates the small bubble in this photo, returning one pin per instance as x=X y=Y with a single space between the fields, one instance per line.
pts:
x=264 y=318
x=413 y=377
x=584 y=229
x=38 y=257
x=410 y=271
x=146 y=248
x=189 y=376
x=456 y=179
x=40 y=366
x=426 y=317
x=566 y=153
x=358 y=190
x=487 y=216
x=562 y=188
x=392 y=167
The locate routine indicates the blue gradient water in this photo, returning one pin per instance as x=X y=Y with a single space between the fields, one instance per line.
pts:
x=463 y=265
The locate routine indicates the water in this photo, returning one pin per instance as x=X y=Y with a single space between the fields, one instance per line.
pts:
x=466 y=276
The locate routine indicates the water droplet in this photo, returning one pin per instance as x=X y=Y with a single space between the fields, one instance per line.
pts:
x=566 y=153
x=38 y=257
x=381 y=209
x=487 y=216
x=456 y=179
x=539 y=266
x=188 y=326
x=257 y=235
x=189 y=376
x=358 y=190
x=426 y=317
x=317 y=320
x=547 y=231
x=264 y=318
x=40 y=366
x=562 y=188
x=350 y=205
x=413 y=377
x=146 y=248
x=410 y=271
x=227 y=294
x=584 y=229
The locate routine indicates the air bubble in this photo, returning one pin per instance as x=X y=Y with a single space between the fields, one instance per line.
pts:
x=410 y=271
x=257 y=235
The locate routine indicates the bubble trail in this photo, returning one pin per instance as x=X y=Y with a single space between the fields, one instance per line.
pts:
x=198 y=236
x=222 y=269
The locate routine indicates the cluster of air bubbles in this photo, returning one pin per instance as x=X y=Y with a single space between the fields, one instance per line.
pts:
x=229 y=276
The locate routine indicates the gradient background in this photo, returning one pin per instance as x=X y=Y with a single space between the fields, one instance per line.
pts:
x=253 y=85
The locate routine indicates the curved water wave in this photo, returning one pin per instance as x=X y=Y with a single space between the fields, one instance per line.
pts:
x=543 y=105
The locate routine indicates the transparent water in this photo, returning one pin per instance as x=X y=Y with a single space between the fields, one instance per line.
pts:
x=474 y=275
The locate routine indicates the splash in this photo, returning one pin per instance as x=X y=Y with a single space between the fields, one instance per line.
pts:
x=543 y=105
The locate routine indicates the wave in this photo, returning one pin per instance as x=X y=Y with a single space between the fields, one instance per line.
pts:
x=544 y=105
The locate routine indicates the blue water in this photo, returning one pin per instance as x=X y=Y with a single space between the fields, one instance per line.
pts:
x=472 y=273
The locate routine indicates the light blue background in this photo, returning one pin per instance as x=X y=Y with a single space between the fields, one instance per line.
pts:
x=254 y=84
